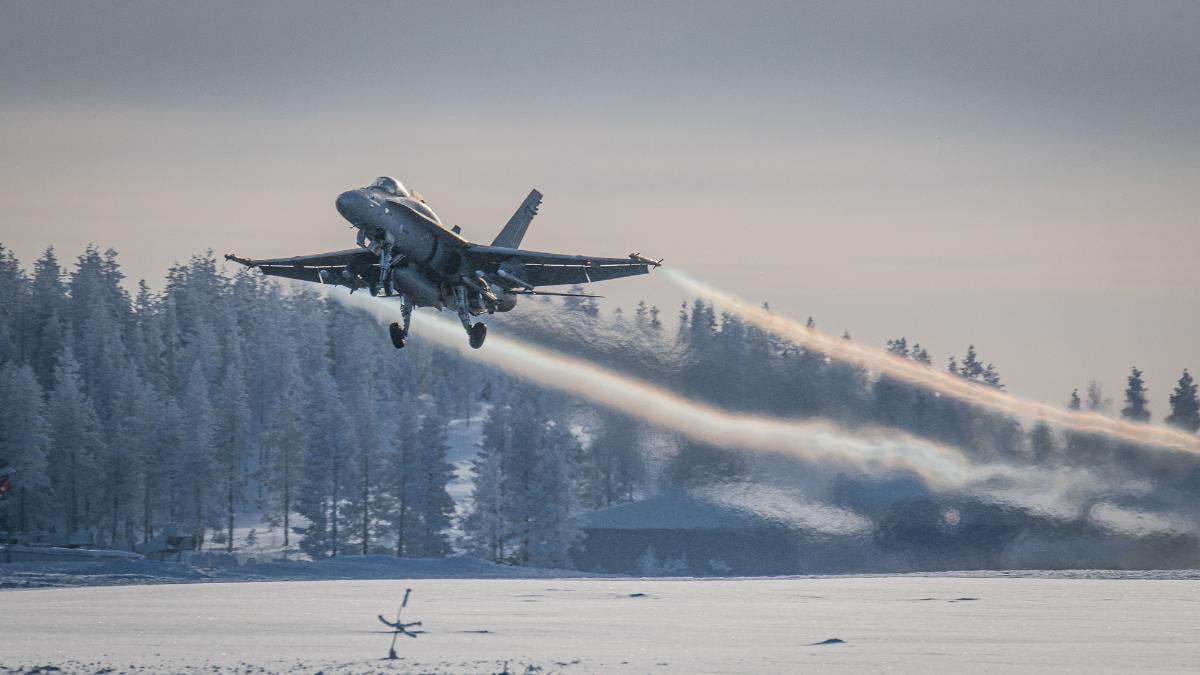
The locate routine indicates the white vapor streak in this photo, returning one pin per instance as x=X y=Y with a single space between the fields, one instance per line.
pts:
x=872 y=451
x=923 y=376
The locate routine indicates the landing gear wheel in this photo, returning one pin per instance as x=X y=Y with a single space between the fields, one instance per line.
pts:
x=397 y=335
x=478 y=335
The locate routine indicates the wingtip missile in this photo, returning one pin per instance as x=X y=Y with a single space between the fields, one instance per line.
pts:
x=240 y=261
x=639 y=258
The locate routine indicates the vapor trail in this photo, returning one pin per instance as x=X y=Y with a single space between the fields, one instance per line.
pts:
x=872 y=451
x=922 y=376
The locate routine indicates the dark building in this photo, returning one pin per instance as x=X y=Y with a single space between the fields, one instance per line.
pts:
x=683 y=534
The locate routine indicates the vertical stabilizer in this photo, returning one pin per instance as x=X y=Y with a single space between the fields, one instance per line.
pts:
x=514 y=230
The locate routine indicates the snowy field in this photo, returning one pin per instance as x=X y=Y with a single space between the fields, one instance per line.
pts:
x=912 y=624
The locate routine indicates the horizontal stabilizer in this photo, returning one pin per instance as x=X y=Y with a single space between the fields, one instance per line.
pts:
x=514 y=230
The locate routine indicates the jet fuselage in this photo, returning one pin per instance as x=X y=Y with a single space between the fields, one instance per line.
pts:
x=390 y=217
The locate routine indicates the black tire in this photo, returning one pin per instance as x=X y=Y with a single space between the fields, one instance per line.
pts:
x=397 y=335
x=478 y=335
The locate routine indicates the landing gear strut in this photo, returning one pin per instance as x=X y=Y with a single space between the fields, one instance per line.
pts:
x=397 y=331
x=475 y=334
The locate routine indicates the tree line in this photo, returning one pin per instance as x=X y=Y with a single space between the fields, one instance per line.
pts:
x=128 y=413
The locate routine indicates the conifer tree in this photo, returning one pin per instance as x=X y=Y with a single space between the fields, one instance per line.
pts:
x=132 y=430
x=553 y=525
x=326 y=466
x=971 y=368
x=611 y=468
x=991 y=377
x=899 y=347
x=76 y=443
x=232 y=431
x=921 y=355
x=1095 y=397
x=46 y=325
x=485 y=526
x=1136 y=406
x=197 y=462
x=24 y=445
x=655 y=322
x=430 y=503
x=160 y=467
x=1042 y=442
x=1185 y=408
x=286 y=441
x=14 y=308
x=401 y=469
x=1074 y=403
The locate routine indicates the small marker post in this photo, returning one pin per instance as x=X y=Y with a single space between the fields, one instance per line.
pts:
x=398 y=626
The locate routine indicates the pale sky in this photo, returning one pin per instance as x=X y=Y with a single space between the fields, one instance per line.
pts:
x=1023 y=176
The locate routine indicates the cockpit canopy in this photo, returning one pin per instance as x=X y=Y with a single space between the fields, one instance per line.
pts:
x=391 y=186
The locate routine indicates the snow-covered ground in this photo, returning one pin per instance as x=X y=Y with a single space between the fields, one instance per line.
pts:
x=915 y=624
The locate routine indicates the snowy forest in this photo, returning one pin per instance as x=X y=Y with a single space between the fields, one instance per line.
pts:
x=126 y=411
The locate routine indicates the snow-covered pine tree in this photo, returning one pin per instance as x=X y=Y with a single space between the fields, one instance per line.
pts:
x=1042 y=444
x=524 y=510
x=991 y=377
x=1136 y=406
x=1095 y=397
x=325 y=479
x=894 y=402
x=611 y=467
x=353 y=345
x=365 y=505
x=24 y=446
x=14 y=307
x=98 y=316
x=553 y=527
x=430 y=503
x=517 y=468
x=76 y=443
x=197 y=463
x=285 y=441
x=45 y=328
x=161 y=470
x=132 y=430
x=921 y=355
x=485 y=526
x=399 y=468
x=233 y=435
x=1185 y=408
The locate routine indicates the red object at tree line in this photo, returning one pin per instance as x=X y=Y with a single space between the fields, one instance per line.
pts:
x=5 y=485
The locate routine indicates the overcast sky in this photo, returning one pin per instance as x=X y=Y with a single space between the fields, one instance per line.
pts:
x=1023 y=176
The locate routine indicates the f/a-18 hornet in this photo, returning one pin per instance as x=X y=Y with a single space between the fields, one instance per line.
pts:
x=404 y=251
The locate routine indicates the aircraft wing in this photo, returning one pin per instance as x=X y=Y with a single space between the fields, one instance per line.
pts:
x=309 y=267
x=554 y=269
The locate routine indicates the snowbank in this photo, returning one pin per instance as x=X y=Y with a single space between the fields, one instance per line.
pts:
x=134 y=571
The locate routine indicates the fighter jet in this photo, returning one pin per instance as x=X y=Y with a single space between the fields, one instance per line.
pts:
x=405 y=252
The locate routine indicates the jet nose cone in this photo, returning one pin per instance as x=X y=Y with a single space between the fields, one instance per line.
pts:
x=352 y=204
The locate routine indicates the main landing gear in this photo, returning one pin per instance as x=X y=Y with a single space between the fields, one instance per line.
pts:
x=476 y=334
x=399 y=332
